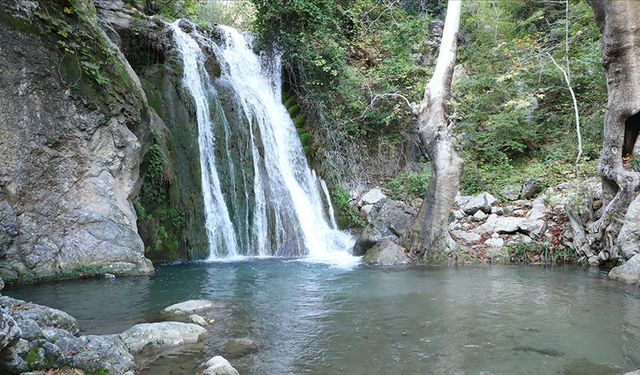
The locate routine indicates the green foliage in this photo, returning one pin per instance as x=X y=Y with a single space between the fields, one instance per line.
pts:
x=410 y=185
x=346 y=215
x=172 y=9
x=239 y=13
x=535 y=253
x=156 y=208
x=514 y=108
x=634 y=164
x=339 y=55
x=32 y=356
x=67 y=22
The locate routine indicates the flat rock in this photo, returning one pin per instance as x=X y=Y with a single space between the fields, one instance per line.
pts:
x=628 y=272
x=161 y=335
x=386 y=253
x=43 y=315
x=237 y=348
x=219 y=366
x=494 y=242
x=189 y=307
x=468 y=238
x=510 y=224
x=372 y=197
x=461 y=200
x=502 y=224
x=482 y=202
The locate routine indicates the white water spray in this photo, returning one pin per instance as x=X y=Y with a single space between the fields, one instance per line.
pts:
x=287 y=210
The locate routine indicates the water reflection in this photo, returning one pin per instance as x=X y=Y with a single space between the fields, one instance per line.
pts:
x=315 y=319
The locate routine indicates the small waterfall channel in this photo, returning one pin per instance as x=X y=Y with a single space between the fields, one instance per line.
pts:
x=261 y=198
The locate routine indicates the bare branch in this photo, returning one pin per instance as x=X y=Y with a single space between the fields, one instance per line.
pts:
x=575 y=108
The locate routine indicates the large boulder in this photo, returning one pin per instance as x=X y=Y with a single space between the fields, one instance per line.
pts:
x=388 y=219
x=510 y=224
x=386 y=253
x=628 y=241
x=628 y=272
x=219 y=366
x=96 y=353
x=482 y=202
x=9 y=330
x=44 y=316
x=161 y=335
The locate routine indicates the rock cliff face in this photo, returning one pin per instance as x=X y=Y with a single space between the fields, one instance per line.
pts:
x=69 y=145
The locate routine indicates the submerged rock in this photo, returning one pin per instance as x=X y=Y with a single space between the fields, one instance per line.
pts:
x=237 y=348
x=219 y=366
x=386 y=253
x=629 y=272
x=161 y=335
x=184 y=309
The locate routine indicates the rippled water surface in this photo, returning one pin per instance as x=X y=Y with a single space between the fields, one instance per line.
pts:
x=317 y=319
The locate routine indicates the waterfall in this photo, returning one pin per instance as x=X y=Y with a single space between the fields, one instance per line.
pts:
x=261 y=197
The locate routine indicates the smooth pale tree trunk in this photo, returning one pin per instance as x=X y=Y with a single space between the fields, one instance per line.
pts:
x=429 y=236
x=620 y=52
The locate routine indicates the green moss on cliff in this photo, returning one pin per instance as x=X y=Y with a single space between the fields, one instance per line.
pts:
x=89 y=63
x=160 y=213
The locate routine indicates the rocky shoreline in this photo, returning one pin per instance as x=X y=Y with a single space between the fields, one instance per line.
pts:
x=35 y=339
x=526 y=225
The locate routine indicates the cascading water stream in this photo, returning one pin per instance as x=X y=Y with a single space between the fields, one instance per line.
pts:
x=283 y=208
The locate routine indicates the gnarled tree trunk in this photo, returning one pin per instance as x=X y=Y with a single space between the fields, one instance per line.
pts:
x=620 y=50
x=429 y=234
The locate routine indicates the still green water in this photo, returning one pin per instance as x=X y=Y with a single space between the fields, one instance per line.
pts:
x=318 y=319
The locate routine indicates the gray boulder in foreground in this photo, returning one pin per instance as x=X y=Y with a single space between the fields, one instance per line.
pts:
x=386 y=253
x=388 y=219
x=43 y=315
x=161 y=335
x=629 y=272
x=9 y=330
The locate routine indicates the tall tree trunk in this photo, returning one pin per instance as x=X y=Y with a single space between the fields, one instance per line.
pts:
x=620 y=52
x=429 y=235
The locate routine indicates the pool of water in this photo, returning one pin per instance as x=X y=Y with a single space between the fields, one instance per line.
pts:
x=317 y=319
